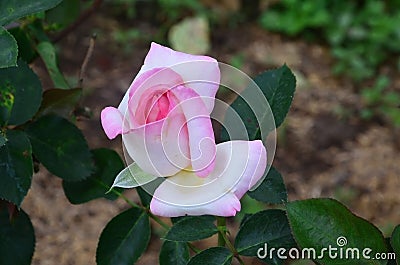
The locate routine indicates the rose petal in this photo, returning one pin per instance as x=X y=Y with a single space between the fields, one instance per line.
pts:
x=201 y=134
x=255 y=167
x=111 y=120
x=227 y=205
x=199 y=72
x=160 y=148
x=202 y=72
x=141 y=77
x=239 y=165
x=157 y=77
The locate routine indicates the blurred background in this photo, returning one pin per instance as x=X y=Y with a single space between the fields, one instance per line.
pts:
x=342 y=135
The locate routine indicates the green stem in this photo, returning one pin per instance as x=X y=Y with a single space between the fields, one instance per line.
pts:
x=131 y=203
x=158 y=220
x=121 y=195
x=192 y=247
x=224 y=240
x=229 y=244
x=221 y=224
x=240 y=260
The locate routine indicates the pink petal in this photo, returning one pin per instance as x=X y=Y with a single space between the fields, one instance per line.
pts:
x=160 y=148
x=201 y=134
x=145 y=110
x=163 y=106
x=227 y=205
x=255 y=168
x=201 y=73
x=150 y=81
x=239 y=165
x=111 y=120
x=155 y=77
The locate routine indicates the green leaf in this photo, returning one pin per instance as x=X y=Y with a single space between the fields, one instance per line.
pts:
x=212 y=256
x=391 y=262
x=271 y=190
x=60 y=146
x=174 y=220
x=20 y=94
x=320 y=223
x=64 y=14
x=8 y=49
x=60 y=101
x=26 y=50
x=132 y=176
x=269 y=227
x=17 y=242
x=278 y=86
x=11 y=10
x=174 y=253
x=3 y=139
x=37 y=31
x=16 y=167
x=243 y=112
x=108 y=163
x=124 y=238
x=391 y=259
x=47 y=51
x=192 y=228
x=249 y=206
x=395 y=242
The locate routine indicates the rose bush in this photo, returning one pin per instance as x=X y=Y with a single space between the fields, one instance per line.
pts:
x=164 y=119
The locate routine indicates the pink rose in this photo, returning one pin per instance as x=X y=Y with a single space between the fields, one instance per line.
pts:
x=164 y=119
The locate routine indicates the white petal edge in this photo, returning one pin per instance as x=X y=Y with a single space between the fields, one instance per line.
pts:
x=239 y=165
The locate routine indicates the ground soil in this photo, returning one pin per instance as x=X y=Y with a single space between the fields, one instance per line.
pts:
x=324 y=148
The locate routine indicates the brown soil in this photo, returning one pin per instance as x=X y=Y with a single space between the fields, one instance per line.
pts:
x=324 y=149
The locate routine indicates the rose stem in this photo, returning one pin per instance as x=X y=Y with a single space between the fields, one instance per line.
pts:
x=224 y=240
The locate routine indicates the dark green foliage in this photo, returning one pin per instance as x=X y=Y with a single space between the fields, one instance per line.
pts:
x=192 y=228
x=60 y=147
x=108 y=165
x=124 y=239
x=320 y=223
x=17 y=238
x=16 y=167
